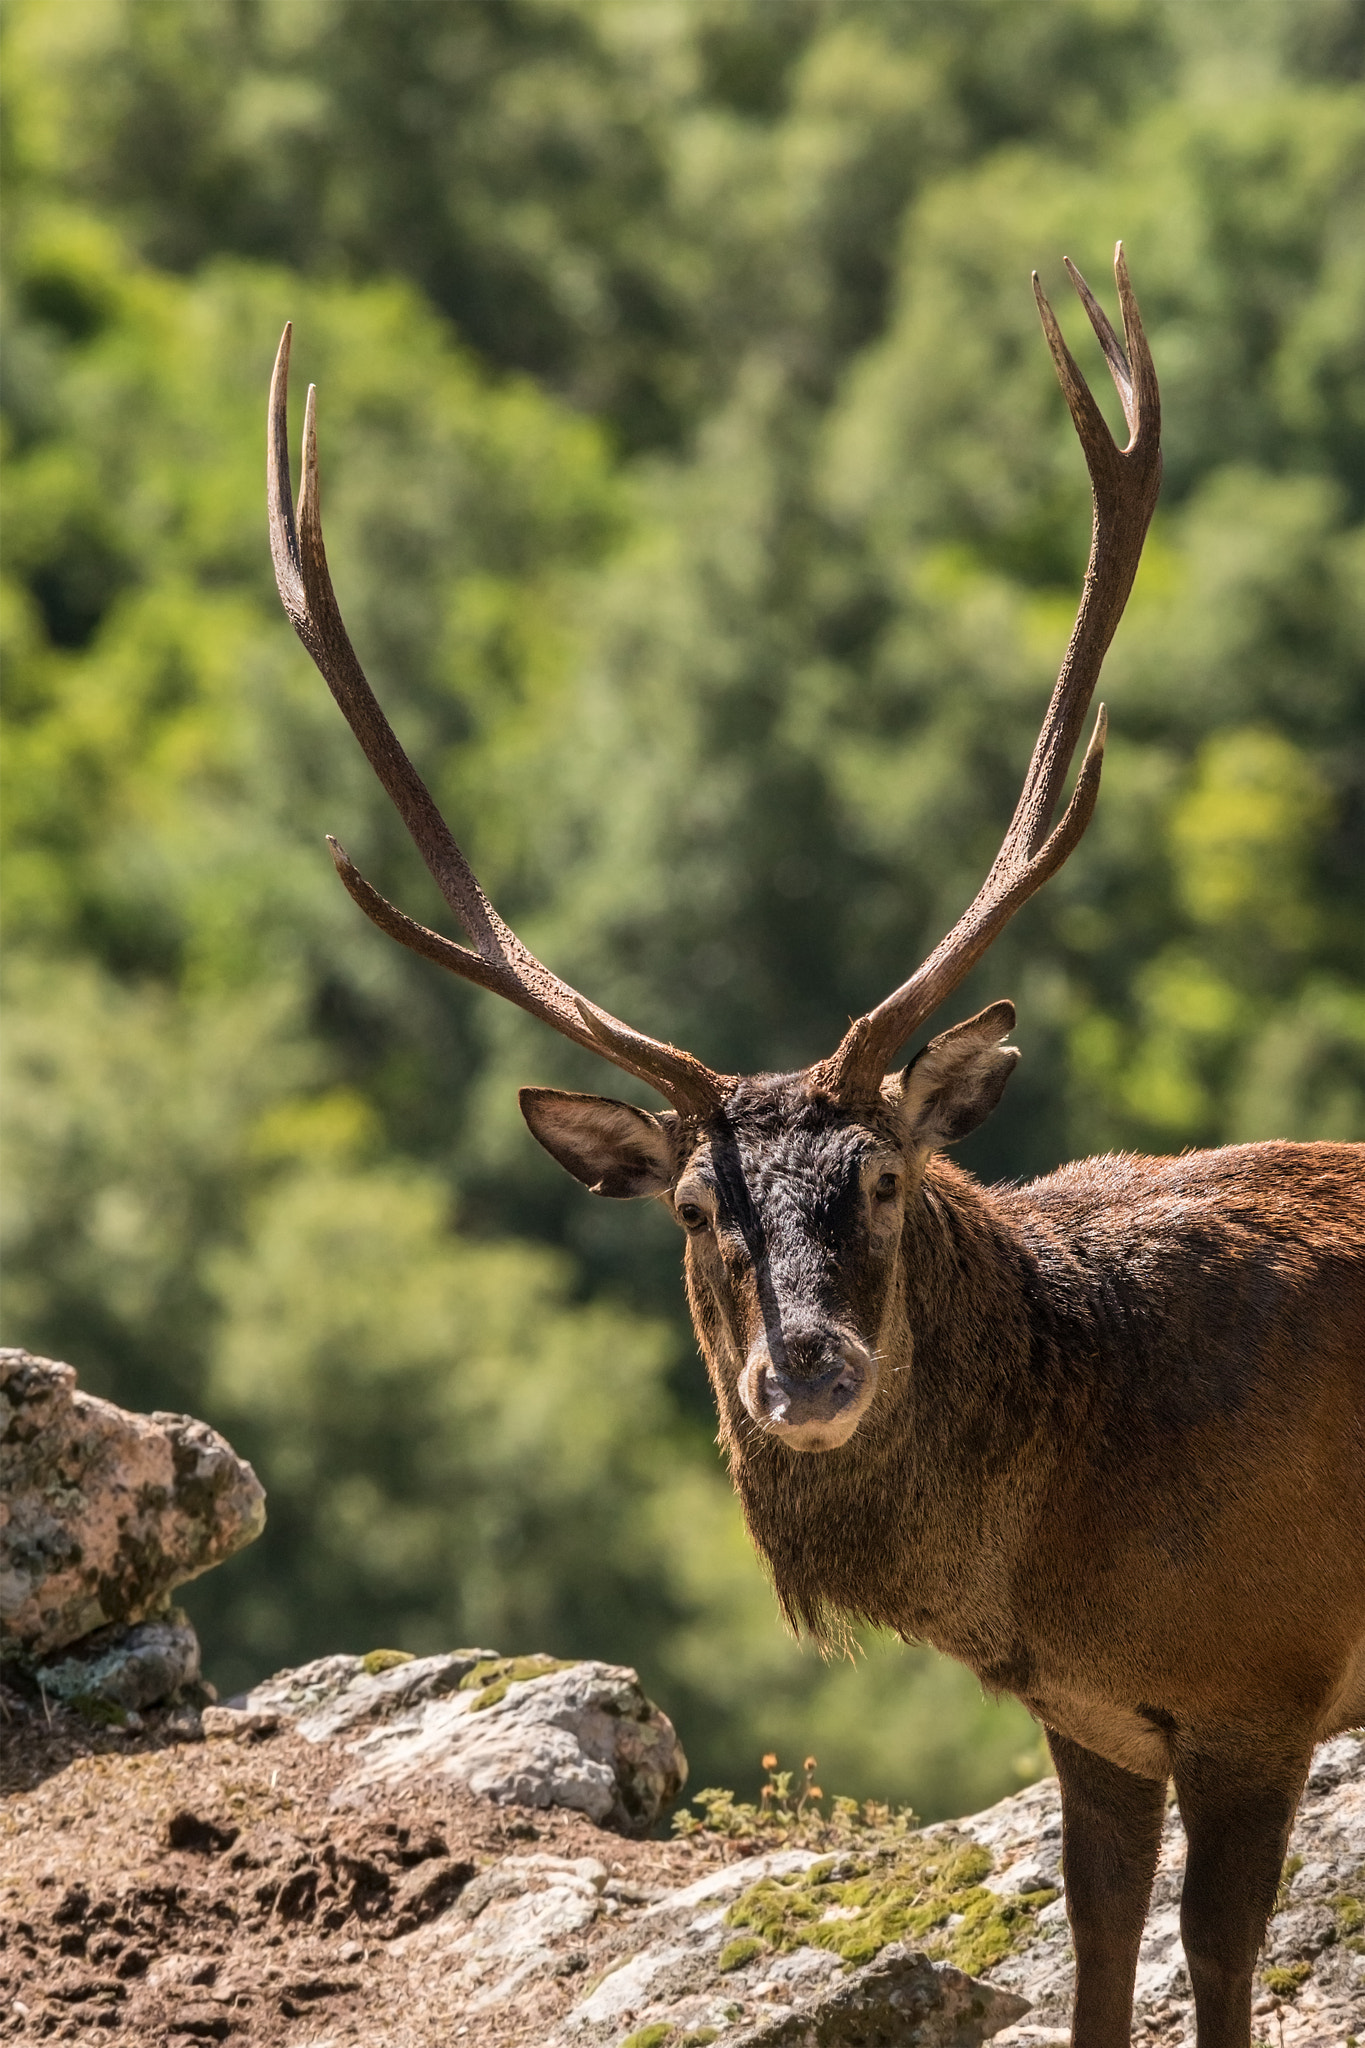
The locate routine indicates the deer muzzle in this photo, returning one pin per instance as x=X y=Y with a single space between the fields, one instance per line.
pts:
x=816 y=1398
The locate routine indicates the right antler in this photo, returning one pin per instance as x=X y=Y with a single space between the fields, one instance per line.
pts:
x=1125 y=483
x=500 y=962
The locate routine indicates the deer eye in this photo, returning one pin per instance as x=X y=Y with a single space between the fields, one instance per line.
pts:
x=690 y=1216
x=887 y=1188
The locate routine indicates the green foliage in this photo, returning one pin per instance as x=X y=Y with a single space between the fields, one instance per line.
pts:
x=620 y=200
x=704 y=510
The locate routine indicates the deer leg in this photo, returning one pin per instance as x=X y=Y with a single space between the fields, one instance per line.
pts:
x=1111 y=1834
x=1237 y=1816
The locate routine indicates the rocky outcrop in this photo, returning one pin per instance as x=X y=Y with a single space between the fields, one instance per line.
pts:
x=700 y=1976
x=524 y=1731
x=797 y=1949
x=102 y=1515
x=233 y=1887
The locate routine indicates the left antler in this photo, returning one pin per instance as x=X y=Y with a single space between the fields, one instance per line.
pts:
x=499 y=962
x=1125 y=483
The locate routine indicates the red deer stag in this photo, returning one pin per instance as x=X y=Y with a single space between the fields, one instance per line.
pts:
x=1102 y=1437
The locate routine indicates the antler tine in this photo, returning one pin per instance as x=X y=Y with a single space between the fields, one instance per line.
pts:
x=1124 y=486
x=500 y=962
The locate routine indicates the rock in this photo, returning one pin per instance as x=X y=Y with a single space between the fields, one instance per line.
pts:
x=524 y=1731
x=126 y=1668
x=692 y=1977
x=901 y=2000
x=103 y=1513
x=503 y=1930
x=227 y=1723
x=509 y=1928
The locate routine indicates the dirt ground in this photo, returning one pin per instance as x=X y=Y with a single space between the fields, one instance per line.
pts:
x=156 y=1888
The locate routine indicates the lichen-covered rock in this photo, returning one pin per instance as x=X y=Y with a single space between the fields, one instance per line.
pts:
x=128 y=1668
x=700 y=1975
x=102 y=1512
x=524 y=1731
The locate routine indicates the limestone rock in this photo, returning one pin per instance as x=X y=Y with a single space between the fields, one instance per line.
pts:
x=103 y=1513
x=684 y=1975
x=899 y=2000
x=531 y=1919
x=129 y=1668
x=525 y=1731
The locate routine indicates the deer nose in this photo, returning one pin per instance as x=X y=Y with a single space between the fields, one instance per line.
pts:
x=824 y=1383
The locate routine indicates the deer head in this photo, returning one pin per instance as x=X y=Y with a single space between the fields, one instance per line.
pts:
x=792 y=1190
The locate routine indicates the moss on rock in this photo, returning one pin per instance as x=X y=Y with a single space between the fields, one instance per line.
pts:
x=494 y=1675
x=376 y=1661
x=910 y=1892
x=1286 y=1978
x=736 y=1954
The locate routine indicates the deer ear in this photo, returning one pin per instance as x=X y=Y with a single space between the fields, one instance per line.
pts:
x=612 y=1147
x=955 y=1082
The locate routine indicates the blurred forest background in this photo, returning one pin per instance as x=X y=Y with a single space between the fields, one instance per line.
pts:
x=704 y=508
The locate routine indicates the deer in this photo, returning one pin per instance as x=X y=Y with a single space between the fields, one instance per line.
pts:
x=1100 y=1437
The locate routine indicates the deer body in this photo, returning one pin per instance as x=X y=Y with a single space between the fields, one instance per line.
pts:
x=1102 y=1437
x=1115 y=1460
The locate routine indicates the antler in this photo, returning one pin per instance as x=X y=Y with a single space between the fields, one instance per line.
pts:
x=500 y=961
x=1124 y=483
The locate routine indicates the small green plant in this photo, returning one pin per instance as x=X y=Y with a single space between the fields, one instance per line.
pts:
x=1292 y=1866
x=376 y=1661
x=652 y=2036
x=98 y=1711
x=1286 y=1978
x=789 y=1807
x=736 y=1954
x=1350 y=1914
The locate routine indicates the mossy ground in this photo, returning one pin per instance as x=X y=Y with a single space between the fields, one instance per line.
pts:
x=912 y=1890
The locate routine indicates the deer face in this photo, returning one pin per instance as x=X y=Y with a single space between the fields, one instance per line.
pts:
x=793 y=1213
x=794 y=1207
